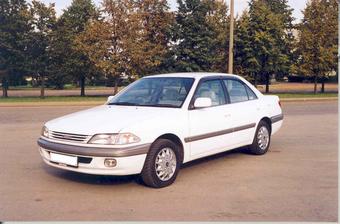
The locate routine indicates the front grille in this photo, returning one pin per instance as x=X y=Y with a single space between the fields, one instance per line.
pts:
x=69 y=137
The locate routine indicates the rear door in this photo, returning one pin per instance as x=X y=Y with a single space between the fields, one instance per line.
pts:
x=245 y=105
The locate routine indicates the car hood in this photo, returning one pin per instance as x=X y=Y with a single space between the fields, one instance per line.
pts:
x=103 y=119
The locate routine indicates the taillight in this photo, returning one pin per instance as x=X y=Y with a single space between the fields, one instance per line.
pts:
x=280 y=103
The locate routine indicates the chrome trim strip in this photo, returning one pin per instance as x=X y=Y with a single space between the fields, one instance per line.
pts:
x=217 y=133
x=94 y=151
x=69 y=137
x=64 y=133
x=244 y=127
x=276 y=118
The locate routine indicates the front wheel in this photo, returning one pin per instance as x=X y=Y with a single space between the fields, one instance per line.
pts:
x=261 y=140
x=161 y=164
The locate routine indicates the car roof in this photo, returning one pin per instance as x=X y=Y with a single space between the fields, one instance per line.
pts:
x=198 y=75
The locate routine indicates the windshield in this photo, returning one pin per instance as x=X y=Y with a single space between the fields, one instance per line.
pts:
x=156 y=92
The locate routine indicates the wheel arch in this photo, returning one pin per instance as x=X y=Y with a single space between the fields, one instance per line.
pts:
x=268 y=121
x=175 y=139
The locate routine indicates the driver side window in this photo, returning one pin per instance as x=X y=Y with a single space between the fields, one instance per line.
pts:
x=211 y=89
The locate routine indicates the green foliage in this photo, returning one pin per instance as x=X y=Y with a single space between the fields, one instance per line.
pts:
x=286 y=41
x=246 y=64
x=133 y=38
x=193 y=36
x=200 y=36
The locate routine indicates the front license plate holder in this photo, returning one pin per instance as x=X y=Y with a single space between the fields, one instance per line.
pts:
x=64 y=159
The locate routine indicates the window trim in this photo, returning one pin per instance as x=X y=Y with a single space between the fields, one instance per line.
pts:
x=245 y=88
x=209 y=78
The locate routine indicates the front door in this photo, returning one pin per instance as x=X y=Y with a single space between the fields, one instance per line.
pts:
x=210 y=127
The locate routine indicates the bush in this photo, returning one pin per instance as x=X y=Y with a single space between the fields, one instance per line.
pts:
x=296 y=78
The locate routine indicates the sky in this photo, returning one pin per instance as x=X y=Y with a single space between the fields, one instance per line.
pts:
x=240 y=5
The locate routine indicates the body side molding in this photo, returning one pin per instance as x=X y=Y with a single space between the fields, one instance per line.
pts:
x=217 y=133
x=276 y=118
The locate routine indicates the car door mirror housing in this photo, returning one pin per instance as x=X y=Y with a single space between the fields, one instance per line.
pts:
x=202 y=102
x=109 y=99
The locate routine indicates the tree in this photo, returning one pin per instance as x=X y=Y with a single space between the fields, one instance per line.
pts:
x=318 y=40
x=105 y=41
x=14 y=28
x=59 y=52
x=152 y=34
x=130 y=39
x=42 y=21
x=286 y=42
x=193 y=37
x=74 y=19
x=218 y=21
x=266 y=31
x=246 y=64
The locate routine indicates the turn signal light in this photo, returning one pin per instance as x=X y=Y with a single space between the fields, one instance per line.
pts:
x=110 y=162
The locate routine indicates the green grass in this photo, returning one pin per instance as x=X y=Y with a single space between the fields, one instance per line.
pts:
x=66 y=87
x=305 y=95
x=53 y=99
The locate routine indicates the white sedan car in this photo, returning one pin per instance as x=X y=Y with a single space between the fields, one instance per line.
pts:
x=160 y=122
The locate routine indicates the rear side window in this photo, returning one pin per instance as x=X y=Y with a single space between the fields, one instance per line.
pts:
x=238 y=92
x=251 y=94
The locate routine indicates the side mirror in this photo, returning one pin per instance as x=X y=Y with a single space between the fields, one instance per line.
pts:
x=202 y=102
x=109 y=98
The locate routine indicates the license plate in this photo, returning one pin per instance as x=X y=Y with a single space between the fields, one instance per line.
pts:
x=63 y=159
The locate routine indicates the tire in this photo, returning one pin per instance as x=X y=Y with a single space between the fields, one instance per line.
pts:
x=261 y=140
x=161 y=148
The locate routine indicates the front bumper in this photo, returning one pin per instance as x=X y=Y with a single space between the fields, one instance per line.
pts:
x=130 y=160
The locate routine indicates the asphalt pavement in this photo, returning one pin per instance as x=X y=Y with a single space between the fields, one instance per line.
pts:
x=297 y=180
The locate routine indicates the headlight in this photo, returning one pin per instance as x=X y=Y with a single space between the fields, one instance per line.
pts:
x=114 y=139
x=45 y=132
x=126 y=138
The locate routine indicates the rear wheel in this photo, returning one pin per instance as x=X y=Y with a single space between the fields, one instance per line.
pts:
x=261 y=140
x=161 y=164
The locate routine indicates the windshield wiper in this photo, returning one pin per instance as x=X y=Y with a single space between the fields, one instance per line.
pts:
x=124 y=104
x=163 y=105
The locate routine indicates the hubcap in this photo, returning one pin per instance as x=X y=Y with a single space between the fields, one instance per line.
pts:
x=165 y=164
x=263 y=138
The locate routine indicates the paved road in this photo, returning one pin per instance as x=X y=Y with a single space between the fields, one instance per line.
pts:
x=295 y=181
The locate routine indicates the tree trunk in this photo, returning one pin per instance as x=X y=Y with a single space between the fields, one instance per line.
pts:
x=82 y=86
x=4 y=87
x=255 y=79
x=315 y=83
x=115 y=91
x=323 y=85
x=267 y=82
x=42 y=87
